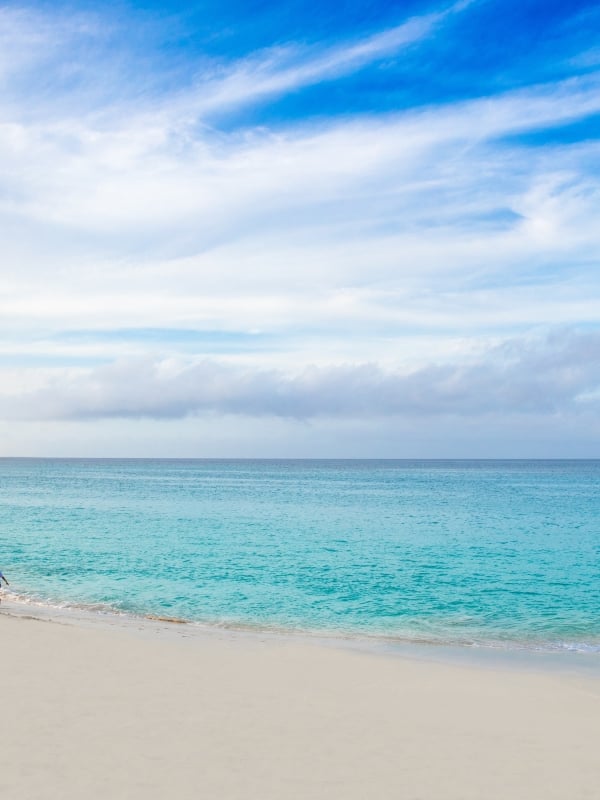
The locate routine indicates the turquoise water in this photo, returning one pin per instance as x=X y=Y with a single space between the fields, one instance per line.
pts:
x=488 y=552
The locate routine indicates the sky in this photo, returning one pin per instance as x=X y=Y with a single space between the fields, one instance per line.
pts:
x=338 y=230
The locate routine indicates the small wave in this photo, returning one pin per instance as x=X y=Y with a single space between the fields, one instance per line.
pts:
x=52 y=604
x=446 y=638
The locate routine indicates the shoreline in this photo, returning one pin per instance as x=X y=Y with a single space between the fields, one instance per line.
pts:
x=498 y=656
x=144 y=710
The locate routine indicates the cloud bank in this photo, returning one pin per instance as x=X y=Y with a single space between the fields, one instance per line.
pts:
x=552 y=375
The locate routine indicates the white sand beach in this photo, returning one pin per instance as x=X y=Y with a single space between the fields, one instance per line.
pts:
x=114 y=712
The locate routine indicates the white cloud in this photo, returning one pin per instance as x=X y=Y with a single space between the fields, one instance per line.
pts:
x=550 y=375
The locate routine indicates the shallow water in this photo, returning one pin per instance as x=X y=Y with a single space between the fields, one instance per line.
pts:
x=490 y=552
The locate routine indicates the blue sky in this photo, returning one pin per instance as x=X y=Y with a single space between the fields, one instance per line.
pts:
x=259 y=229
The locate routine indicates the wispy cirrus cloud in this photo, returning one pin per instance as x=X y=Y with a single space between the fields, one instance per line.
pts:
x=287 y=69
x=100 y=51
x=364 y=214
x=129 y=176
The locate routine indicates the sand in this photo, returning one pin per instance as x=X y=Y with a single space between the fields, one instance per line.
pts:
x=115 y=712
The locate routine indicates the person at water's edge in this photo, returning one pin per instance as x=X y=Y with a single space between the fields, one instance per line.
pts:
x=2 y=578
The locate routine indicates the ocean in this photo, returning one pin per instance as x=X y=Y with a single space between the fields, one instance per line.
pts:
x=489 y=553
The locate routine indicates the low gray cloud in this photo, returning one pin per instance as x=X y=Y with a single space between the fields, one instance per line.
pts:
x=556 y=373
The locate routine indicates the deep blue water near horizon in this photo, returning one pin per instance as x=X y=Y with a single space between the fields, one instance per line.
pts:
x=487 y=552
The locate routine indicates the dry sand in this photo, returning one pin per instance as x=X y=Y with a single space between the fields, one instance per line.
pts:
x=111 y=712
